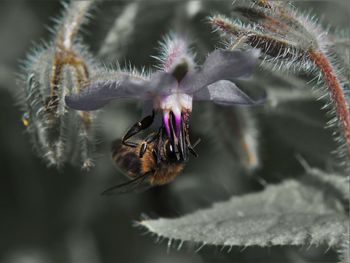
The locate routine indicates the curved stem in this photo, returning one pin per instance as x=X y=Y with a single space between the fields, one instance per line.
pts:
x=336 y=91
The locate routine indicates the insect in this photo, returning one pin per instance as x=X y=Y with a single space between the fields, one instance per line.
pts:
x=149 y=162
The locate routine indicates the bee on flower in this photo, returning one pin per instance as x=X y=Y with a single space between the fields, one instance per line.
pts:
x=168 y=93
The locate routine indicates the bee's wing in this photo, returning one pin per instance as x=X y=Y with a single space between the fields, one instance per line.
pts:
x=221 y=65
x=226 y=93
x=137 y=184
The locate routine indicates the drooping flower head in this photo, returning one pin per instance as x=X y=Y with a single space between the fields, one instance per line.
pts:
x=172 y=89
x=51 y=72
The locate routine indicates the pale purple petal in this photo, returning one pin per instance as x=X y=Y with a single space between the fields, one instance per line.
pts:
x=225 y=93
x=221 y=65
x=98 y=93
x=163 y=83
x=147 y=108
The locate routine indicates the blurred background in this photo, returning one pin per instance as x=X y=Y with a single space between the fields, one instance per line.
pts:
x=49 y=215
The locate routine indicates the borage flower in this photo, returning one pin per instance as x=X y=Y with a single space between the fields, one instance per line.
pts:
x=51 y=72
x=170 y=91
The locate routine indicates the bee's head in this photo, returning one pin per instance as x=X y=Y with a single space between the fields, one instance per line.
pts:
x=169 y=152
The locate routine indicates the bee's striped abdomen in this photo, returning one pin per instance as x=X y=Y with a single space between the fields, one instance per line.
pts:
x=128 y=161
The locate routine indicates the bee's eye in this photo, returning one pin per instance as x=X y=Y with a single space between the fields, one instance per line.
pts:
x=169 y=150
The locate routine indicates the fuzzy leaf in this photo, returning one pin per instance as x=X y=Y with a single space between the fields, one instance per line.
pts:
x=285 y=214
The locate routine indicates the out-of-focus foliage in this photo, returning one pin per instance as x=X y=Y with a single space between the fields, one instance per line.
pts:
x=59 y=216
x=294 y=41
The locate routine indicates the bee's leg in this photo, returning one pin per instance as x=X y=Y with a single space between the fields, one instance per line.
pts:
x=190 y=146
x=136 y=128
x=156 y=152
x=156 y=156
x=130 y=144
x=194 y=153
x=183 y=142
x=150 y=138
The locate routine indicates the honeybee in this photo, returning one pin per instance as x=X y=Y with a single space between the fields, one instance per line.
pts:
x=149 y=162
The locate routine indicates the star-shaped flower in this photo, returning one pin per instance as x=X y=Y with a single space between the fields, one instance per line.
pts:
x=172 y=89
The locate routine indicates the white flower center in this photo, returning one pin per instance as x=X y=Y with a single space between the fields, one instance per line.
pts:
x=177 y=102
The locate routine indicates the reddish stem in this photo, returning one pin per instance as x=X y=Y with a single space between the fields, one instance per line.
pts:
x=337 y=94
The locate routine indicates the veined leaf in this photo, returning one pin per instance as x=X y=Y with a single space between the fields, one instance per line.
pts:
x=286 y=214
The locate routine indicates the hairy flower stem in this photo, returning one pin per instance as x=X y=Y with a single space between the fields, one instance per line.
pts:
x=65 y=54
x=336 y=93
x=58 y=69
x=74 y=18
x=292 y=41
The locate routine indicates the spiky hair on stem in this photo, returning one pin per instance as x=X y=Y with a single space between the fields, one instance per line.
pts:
x=75 y=14
x=292 y=41
x=50 y=73
x=344 y=248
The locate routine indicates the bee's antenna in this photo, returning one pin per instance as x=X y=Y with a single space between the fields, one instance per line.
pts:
x=191 y=148
x=196 y=143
